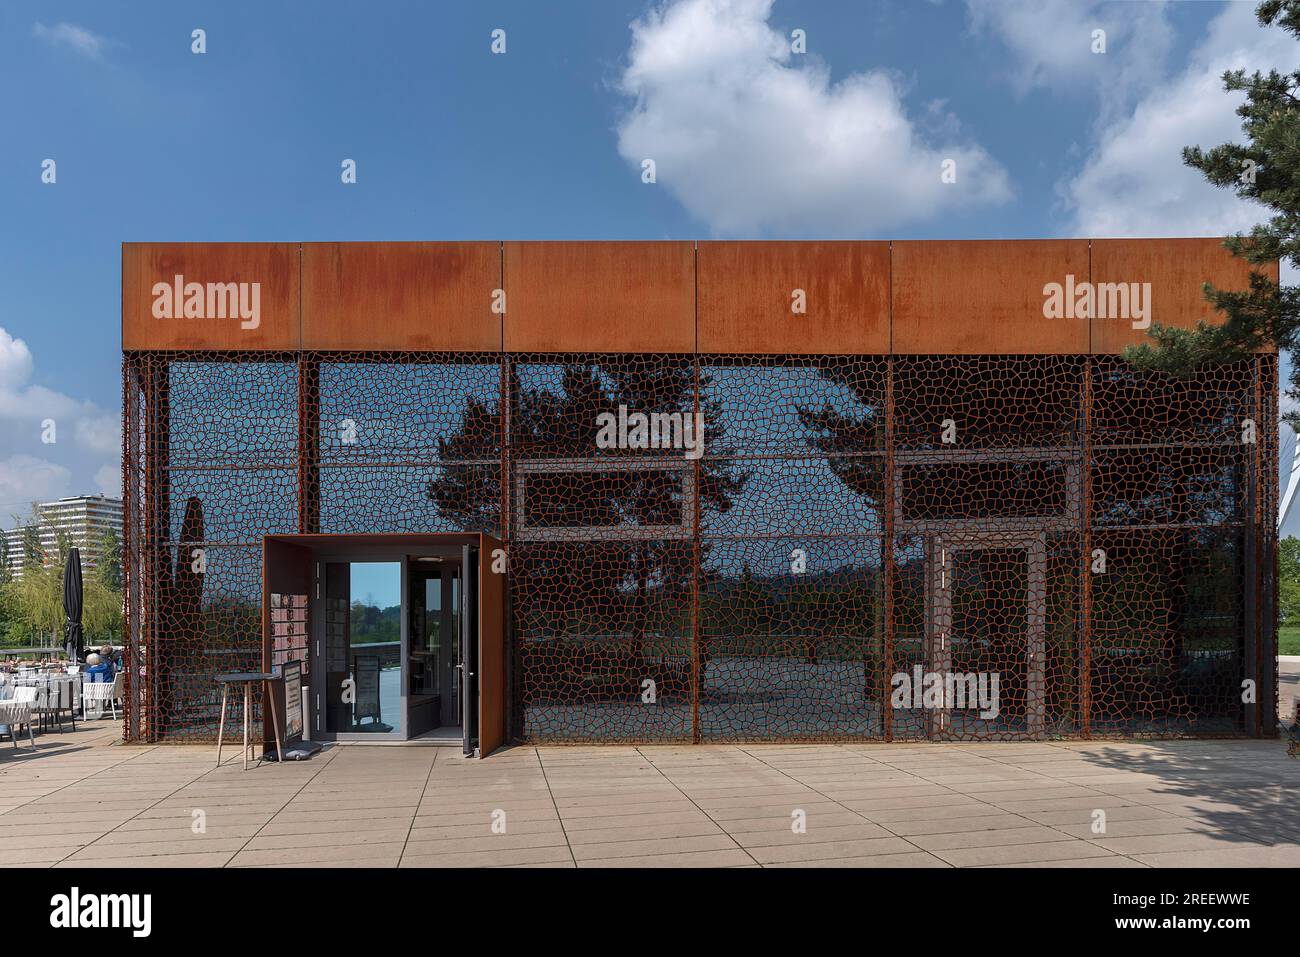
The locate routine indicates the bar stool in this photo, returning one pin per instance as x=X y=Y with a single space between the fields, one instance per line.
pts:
x=247 y=679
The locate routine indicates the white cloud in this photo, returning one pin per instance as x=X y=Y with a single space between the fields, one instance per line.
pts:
x=1134 y=183
x=26 y=406
x=25 y=479
x=1051 y=45
x=21 y=401
x=15 y=359
x=109 y=480
x=75 y=38
x=751 y=138
x=99 y=433
x=88 y=437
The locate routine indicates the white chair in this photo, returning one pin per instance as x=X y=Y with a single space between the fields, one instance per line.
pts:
x=57 y=696
x=94 y=694
x=101 y=693
x=119 y=684
x=17 y=711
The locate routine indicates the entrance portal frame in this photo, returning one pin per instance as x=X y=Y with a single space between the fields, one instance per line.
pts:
x=287 y=569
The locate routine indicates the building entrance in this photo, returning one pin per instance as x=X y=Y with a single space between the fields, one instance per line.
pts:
x=391 y=631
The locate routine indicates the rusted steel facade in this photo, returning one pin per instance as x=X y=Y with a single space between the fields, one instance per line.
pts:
x=916 y=474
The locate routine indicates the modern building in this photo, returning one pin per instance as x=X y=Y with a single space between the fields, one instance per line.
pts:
x=696 y=492
x=80 y=520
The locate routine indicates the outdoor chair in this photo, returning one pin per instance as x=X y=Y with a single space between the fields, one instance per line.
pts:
x=56 y=697
x=17 y=712
x=40 y=704
x=101 y=693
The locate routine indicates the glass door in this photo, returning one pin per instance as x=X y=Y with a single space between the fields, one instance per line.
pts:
x=469 y=652
x=433 y=678
x=359 y=643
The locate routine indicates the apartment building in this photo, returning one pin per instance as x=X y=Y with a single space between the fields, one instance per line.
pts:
x=81 y=520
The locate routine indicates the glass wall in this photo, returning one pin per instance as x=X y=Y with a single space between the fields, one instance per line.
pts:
x=1092 y=531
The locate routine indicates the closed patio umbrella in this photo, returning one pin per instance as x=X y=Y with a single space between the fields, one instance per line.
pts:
x=72 y=601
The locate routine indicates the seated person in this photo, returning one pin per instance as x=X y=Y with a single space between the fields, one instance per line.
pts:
x=109 y=658
x=97 y=670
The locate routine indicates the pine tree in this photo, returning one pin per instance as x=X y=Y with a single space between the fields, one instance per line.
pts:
x=1265 y=169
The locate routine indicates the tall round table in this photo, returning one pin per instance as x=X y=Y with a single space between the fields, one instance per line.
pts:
x=247 y=679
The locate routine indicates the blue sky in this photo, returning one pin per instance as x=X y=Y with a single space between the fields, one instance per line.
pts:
x=377 y=583
x=244 y=142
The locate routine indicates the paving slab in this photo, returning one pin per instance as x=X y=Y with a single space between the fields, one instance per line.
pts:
x=84 y=800
x=719 y=858
x=1067 y=850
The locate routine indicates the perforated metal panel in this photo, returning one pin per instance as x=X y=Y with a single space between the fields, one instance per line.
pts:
x=1095 y=537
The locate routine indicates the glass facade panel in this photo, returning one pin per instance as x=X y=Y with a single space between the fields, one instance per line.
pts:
x=1094 y=535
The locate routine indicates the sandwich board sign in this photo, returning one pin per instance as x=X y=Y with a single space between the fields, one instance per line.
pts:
x=291 y=672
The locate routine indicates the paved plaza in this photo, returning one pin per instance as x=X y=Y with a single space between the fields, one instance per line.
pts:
x=85 y=800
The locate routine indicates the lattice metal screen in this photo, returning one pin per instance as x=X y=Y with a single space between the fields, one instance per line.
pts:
x=1061 y=545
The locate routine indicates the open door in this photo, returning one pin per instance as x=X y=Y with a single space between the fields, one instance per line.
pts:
x=469 y=650
x=482 y=648
x=492 y=645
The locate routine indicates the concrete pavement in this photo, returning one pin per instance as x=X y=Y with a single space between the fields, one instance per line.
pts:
x=79 y=801
x=1288 y=680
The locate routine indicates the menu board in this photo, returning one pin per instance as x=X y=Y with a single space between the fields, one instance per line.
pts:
x=289 y=632
x=292 y=674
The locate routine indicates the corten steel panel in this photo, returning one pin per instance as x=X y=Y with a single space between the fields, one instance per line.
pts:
x=492 y=651
x=418 y=297
x=984 y=297
x=286 y=565
x=600 y=297
x=275 y=266
x=1176 y=269
x=746 y=298
x=340 y=541
x=286 y=569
